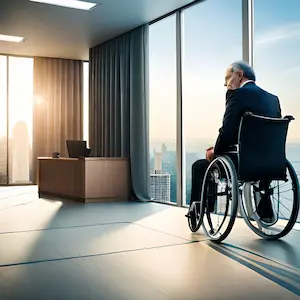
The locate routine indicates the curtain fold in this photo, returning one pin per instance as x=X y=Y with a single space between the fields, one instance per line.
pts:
x=119 y=104
x=58 y=106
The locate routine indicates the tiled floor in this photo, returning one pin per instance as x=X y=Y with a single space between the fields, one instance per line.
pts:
x=51 y=249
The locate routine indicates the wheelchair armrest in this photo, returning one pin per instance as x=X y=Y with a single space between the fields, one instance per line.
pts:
x=290 y=118
x=233 y=149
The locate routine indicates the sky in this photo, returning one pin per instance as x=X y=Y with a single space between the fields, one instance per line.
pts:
x=20 y=87
x=3 y=85
x=212 y=39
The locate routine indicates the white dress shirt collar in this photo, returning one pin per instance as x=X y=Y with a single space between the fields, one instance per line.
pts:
x=247 y=81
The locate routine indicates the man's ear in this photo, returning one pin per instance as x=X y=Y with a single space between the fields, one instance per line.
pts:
x=241 y=75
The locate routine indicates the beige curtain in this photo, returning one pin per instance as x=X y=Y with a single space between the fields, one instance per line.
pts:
x=58 y=106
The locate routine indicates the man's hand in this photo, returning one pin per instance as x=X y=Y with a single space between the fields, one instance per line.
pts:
x=209 y=153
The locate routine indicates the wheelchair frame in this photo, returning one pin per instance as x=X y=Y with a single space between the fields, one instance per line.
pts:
x=240 y=197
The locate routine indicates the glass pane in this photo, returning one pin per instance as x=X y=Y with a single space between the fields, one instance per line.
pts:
x=86 y=102
x=20 y=119
x=277 y=62
x=208 y=49
x=3 y=120
x=162 y=118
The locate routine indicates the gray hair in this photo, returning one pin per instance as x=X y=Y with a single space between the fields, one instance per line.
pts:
x=245 y=67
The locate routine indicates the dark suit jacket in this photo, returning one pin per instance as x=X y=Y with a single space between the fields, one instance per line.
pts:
x=250 y=98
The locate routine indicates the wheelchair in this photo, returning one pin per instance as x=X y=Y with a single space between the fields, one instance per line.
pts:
x=248 y=180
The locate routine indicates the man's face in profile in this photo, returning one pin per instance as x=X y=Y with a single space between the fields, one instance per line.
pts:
x=232 y=79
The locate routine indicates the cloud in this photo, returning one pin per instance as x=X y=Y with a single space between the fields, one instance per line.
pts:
x=280 y=33
x=293 y=70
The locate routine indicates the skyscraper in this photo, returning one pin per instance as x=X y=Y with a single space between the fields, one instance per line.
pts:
x=159 y=180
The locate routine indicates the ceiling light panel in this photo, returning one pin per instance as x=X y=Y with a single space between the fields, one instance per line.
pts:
x=76 y=4
x=11 y=38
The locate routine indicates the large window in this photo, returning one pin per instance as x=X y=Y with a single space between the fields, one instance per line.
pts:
x=163 y=110
x=211 y=38
x=16 y=118
x=20 y=108
x=3 y=120
x=277 y=61
x=207 y=50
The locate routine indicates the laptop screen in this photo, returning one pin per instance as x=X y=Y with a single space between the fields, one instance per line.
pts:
x=77 y=148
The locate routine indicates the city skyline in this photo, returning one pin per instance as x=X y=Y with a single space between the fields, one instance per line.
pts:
x=168 y=168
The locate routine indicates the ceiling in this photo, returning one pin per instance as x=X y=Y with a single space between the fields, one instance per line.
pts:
x=54 y=31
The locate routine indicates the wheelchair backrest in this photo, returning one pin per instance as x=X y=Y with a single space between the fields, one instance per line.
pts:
x=262 y=142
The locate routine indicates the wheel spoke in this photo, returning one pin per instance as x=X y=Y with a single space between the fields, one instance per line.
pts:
x=280 y=225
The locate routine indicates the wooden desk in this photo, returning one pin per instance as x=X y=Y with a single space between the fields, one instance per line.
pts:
x=92 y=179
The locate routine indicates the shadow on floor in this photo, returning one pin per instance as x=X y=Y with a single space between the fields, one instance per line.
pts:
x=283 y=275
x=81 y=228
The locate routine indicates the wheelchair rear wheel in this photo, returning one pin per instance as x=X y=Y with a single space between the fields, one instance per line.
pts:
x=283 y=195
x=219 y=199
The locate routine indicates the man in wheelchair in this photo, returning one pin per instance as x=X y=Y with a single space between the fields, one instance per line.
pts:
x=243 y=95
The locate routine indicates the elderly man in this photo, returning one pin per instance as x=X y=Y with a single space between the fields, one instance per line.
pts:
x=242 y=95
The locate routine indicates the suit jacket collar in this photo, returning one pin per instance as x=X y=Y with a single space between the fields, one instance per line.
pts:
x=247 y=82
x=231 y=92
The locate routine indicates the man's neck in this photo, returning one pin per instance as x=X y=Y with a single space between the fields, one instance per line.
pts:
x=245 y=82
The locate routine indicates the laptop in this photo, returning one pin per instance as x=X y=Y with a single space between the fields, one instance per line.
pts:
x=77 y=148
